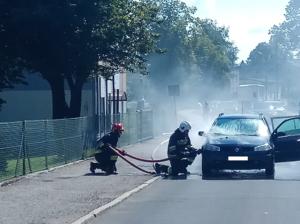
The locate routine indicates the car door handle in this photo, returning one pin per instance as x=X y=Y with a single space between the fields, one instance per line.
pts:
x=298 y=140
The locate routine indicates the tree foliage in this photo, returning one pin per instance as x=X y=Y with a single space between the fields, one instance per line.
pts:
x=9 y=76
x=214 y=52
x=10 y=69
x=194 y=49
x=70 y=40
x=277 y=58
x=287 y=33
x=175 y=18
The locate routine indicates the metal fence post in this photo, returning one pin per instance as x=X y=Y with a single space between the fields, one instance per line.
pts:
x=141 y=126
x=23 y=149
x=151 y=123
x=63 y=142
x=20 y=150
x=84 y=132
x=46 y=140
x=137 y=126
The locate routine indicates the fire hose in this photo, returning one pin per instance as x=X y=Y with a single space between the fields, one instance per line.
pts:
x=120 y=153
x=141 y=159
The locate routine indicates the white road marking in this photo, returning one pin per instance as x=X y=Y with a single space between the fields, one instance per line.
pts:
x=116 y=201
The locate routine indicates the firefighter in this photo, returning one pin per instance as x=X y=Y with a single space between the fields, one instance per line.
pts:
x=106 y=158
x=180 y=152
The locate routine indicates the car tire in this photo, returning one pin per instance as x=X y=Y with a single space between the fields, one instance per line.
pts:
x=270 y=170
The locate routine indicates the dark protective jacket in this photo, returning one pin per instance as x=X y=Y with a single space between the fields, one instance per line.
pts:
x=110 y=138
x=178 y=144
x=103 y=149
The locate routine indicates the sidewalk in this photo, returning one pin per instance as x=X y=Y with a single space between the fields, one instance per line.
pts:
x=68 y=193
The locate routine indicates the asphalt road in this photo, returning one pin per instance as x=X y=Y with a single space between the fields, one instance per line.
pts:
x=69 y=193
x=227 y=197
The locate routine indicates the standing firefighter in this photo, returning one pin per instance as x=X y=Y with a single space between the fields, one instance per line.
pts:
x=106 y=158
x=180 y=151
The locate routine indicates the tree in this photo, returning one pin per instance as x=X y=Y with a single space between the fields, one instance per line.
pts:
x=10 y=66
x=278 y=60
x=195 y=50
x=260 y=60
x=267 y=60
x=286 y=37
x=70 y=40
x=175 y=18
x=190 y=41
x=9 y=76
x=214 y=53
x=289 y=30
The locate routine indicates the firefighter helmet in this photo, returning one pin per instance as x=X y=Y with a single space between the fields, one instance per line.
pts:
x=117 y=127
x=184 y=126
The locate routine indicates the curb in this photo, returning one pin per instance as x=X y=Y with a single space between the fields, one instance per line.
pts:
x=16 y=179
x=116 y=201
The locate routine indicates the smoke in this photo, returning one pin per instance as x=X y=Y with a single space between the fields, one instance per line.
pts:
x=198 y=102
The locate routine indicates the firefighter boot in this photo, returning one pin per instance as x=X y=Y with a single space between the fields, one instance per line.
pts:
x=92 y=167
x=110 y=169
x=157 y=168
x=115 y=169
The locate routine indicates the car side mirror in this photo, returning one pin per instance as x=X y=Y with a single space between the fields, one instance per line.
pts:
x=201 y=133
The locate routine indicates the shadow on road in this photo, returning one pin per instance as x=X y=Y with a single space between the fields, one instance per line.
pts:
x=238 y=175
x=287 y=171
x=99 y=174
x=179 y=177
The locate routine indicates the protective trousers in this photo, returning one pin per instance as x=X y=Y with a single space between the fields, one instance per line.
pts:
x=106 y=162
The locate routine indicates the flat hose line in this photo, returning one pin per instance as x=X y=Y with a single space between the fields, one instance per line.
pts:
x=146 y=160
x=132 y=164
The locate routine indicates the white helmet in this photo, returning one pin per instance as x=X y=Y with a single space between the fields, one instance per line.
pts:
x=184 y=126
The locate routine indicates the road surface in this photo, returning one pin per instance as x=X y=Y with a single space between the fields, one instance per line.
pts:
x=244 y=197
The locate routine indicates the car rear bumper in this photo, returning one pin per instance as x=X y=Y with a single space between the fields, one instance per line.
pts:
x=255 y=160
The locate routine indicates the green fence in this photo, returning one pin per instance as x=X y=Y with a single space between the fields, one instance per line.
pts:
x=138 y=126
x=30 y=146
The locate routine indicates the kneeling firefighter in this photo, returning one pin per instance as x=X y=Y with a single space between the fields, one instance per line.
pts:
x=180 y=152
x=106 y=158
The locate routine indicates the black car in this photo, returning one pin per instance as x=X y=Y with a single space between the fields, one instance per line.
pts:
x=242 y=141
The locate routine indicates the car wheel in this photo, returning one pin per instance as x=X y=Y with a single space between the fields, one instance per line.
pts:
x=270 y=170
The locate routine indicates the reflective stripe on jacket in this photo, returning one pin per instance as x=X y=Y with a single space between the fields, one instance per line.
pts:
x=177 y=144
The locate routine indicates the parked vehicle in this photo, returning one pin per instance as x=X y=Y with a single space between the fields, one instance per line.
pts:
x=245 y=141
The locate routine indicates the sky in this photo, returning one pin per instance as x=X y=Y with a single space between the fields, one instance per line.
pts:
x=249 y=21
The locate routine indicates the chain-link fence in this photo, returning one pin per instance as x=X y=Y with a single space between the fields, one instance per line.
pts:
x=31 y=146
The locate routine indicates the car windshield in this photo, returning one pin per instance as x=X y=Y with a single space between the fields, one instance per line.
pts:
x=239 y=126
